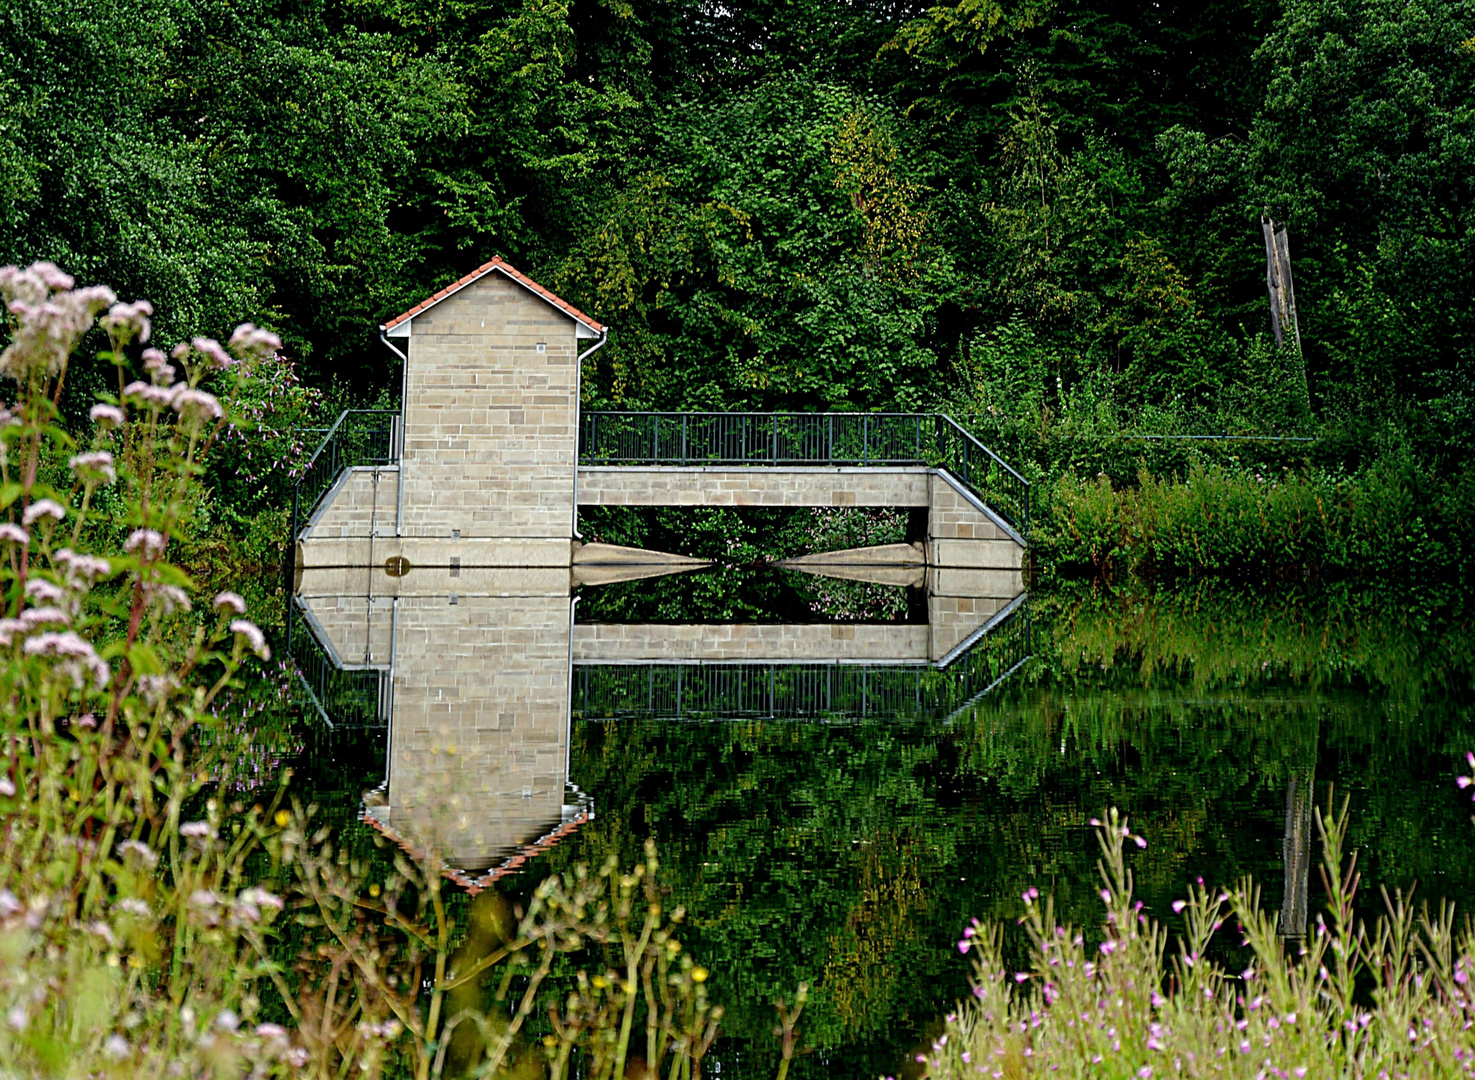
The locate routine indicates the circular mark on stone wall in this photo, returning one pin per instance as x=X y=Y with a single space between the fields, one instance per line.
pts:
x=396 y=566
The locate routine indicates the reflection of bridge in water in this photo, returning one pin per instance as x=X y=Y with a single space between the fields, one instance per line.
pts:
x=832 y=691
x=436 y=548
x=476 y=692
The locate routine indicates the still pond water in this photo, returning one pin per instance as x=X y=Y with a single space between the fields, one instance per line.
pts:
x=838 y=824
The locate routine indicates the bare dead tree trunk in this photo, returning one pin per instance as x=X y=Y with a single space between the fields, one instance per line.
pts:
x=1279 y=284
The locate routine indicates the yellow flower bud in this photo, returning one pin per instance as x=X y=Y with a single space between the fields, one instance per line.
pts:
x=699 y=974
x=282 y=818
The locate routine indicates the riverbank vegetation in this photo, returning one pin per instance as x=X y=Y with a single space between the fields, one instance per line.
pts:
x=165 y=901
x=1339 y=999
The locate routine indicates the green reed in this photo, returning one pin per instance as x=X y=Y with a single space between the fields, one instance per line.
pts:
x=1344 y=1000
x=1389 y=520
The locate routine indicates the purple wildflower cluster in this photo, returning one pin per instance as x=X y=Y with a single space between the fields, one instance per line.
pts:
x=50 y=316
x=270 y=407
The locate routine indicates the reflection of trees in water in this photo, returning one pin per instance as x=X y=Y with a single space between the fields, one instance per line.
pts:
x=890 y=909
x=849 y=855
x=1353 y=636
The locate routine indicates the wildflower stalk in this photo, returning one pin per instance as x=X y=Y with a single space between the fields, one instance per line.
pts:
x=1119 y=1010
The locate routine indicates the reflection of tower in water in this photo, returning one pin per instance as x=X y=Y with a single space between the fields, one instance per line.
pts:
x=478 y=738
x=1296 y=851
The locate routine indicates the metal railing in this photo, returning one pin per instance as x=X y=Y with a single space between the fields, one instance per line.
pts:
x=358 y=437
x=835 y=692
x=934 y=440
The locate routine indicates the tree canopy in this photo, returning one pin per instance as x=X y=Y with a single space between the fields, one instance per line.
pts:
x=810 y=205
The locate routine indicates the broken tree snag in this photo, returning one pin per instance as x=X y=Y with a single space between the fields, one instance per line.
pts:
x=1278 y=283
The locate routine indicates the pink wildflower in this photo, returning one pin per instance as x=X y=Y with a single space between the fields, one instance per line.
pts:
x=96 y=467
x=210 y=349
x=253 y=635
x=79 y=659
x=107 y=416
x=128 y=322
x=197 y=405
x=43 y=508
x=41 y=591
x=249 y=342
x=146 y=543
x=235 y=604
x=44 y=616
x=82 y=569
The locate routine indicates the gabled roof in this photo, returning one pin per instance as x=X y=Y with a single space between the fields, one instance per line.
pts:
x=482 y=271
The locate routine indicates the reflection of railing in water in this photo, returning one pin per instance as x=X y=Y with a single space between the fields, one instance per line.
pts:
x=800 y=691
x=799 y=439
x=357 y=437
x=343 y=697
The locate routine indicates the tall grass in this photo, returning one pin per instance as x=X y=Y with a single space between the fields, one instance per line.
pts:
x=1391 y=520
x=1344 y=1000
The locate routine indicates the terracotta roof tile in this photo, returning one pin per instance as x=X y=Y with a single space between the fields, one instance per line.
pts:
x=480 y=272
x=474 y=885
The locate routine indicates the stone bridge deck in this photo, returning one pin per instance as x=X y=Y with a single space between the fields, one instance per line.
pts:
x=357 y=523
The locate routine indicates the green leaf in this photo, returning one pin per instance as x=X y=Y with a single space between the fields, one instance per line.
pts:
x=144 y=660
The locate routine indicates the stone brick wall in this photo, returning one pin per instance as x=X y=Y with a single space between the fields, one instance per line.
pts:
x=951 y=619
x=959 y=533
x=490 y=421
x=356 y=628
x=479 y=739
x=634 y=485
x=364 y=500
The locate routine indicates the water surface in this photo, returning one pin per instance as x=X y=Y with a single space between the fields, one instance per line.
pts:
x=837 y=823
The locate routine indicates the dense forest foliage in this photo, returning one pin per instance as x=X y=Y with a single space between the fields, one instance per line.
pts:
x=1006 y=205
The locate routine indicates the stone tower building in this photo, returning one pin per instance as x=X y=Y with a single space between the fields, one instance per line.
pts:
x=491 y=412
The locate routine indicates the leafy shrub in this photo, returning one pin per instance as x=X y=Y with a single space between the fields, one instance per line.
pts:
x=1390 y=520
